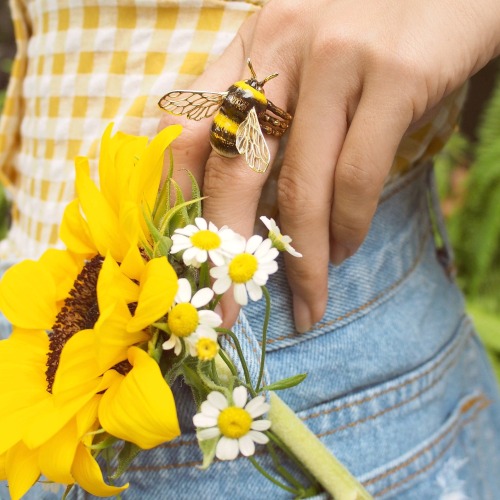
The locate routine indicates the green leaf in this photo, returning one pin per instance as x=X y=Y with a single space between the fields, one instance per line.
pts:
x=207 y=447
x=285 y=383
x=128 y=452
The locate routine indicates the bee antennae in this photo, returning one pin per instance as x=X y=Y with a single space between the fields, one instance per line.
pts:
x=251 y=68
x=270 y=77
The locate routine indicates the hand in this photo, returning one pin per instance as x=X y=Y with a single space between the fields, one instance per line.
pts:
x=356 y=75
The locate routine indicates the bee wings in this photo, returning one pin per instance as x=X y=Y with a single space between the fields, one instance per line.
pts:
x=250 y=141
x=195 y=105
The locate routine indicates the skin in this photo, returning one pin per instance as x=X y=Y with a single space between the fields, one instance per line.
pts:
x=357 y=76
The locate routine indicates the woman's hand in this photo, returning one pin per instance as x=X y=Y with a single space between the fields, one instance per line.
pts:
x=356 y=75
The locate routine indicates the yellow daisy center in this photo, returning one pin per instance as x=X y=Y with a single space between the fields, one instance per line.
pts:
x=242 y=268
x=206 y=349
x=234 y=422
x=206 y=240
x=183 y=320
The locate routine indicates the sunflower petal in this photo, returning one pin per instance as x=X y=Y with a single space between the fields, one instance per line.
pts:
x=75 y=232
x=158 y=289
x=22 y=470
x=141 y=407
x=88 y=475
x=28 y=296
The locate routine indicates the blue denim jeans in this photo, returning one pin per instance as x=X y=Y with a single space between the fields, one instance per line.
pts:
x=398 y=384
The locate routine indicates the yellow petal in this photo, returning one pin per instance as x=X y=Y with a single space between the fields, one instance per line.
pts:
x=75 y=232
x=112 y=339
x=133 y=264
x=147 y=174
x=64 y=266
x=158 y=289
x=56 y=455
x=28 y=296
x=3 y=470
x=88 y=475
x=102 y=220
x=112 y=285
x=22 y=383
x=22 y=470
x=140 y=408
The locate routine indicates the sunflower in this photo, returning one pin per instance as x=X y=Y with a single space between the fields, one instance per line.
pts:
x=77 y=316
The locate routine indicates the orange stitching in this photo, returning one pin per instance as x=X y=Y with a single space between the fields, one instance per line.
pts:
x=389 y=389
x=459 y=426
x=390 y=408
x=366 y=304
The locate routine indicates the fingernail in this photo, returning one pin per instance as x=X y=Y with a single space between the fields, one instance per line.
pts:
x=302 y=315
x=338 y=254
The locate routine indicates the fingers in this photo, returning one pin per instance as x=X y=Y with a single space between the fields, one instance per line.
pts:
x=367 y=154
x=192 y=148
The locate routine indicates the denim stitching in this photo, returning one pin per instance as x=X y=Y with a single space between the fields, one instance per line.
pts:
x=364 y=306
x=457 y=427
x=412 y=379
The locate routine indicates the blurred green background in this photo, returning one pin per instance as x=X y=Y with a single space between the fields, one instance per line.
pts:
x=468 y=173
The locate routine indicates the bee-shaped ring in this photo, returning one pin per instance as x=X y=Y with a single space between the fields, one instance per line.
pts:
x=242 y=114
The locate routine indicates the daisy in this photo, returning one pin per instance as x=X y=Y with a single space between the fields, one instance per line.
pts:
x=202 y=240
x=248 y=271
x=185 y=318
x=234 y=424
x=203 y=344
x=280 y=241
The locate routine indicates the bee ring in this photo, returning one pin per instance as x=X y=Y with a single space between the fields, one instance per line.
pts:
x=242 y=115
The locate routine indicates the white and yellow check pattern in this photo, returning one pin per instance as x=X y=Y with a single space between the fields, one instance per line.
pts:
x=81 y=64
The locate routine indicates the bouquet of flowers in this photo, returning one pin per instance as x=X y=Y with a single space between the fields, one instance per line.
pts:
x=103 y=328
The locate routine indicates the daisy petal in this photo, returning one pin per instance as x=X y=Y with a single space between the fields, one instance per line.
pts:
x=246 y=446
x=257 y=406
x=170 y=343
x=258 y=437
x=202 y=297
x=261 y=425
x=221 y=285
x=209 y=410
x=240 y=294
x=254 y=290
x=227 y=449
x=210 y=433
x=201 y=420
x=253 y=243
x=219 y=271
x=218 y=400
x=240 y=396
x=201 y=223
x=209 y=318
x=184 y=291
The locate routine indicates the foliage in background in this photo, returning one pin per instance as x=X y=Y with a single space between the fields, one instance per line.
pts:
x=469 y=181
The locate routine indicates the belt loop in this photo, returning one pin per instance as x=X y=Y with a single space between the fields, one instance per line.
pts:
x=444 y=250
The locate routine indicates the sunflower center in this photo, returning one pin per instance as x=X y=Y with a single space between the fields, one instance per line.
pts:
x=242 y=268
x=206 y=240
x=183 y=320
x=206 y=349
x=79 y=312
x=234 y=422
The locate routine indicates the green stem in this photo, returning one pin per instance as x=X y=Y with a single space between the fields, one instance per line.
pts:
x=271 y=478
x=237 y=345
x=209 y=383
x=204 y=276
x=280 y=469
x=215 y=301
x=228 y=362
x=285 y=449
x=264 y=338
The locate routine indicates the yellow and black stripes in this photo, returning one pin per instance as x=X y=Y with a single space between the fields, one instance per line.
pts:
x=241 y=98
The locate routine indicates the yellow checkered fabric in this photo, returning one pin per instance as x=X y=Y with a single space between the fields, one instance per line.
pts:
x=81 y=64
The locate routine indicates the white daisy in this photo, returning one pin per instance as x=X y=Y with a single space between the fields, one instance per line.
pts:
x=248 y=271
x=233 y=423
x=202 y=240
x=185 y=318
x=203 y=344
x=280 y=241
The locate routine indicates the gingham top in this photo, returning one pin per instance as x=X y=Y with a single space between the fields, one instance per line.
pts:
x=81 y=64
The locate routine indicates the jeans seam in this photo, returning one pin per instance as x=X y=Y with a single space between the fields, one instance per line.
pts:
x=458 y=425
